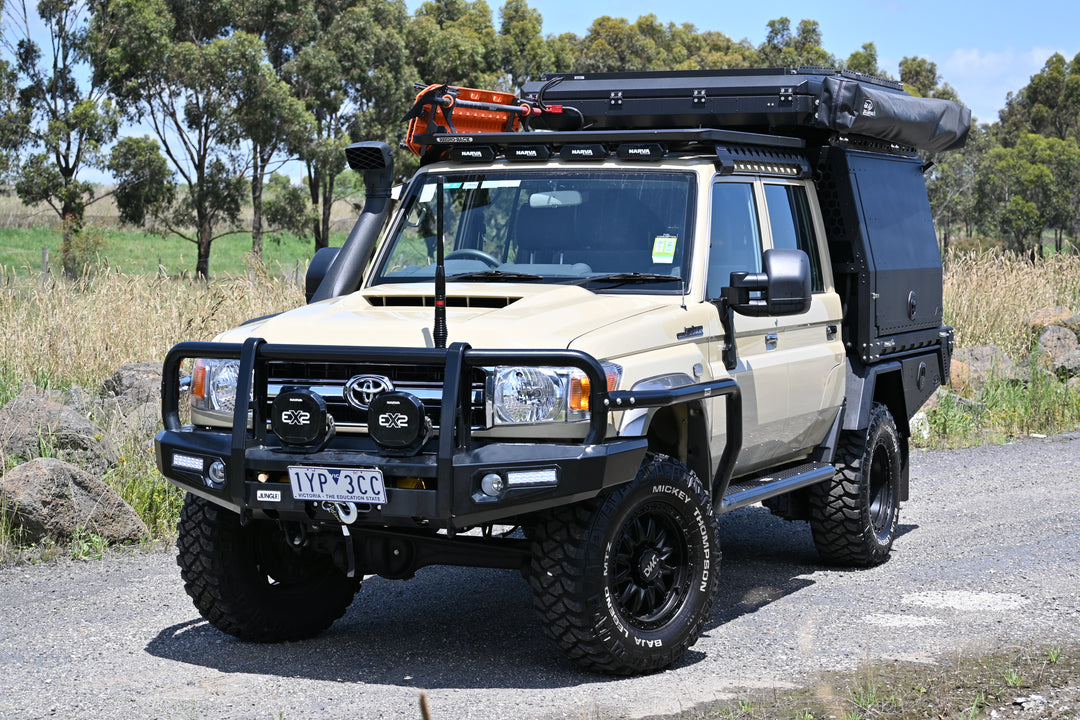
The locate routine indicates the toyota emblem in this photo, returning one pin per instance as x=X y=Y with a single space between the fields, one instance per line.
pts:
x=362 y=389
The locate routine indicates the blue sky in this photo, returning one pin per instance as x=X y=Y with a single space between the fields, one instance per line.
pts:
x=983 y=49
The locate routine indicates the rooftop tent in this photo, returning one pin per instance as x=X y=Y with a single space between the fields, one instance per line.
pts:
x=807 y=102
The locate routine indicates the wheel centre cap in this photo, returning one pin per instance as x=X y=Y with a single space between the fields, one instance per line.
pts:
x=649 y=565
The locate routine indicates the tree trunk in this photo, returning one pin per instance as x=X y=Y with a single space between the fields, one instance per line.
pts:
x=314 y=181
x=327 y=207
x=206 y=236
x=257 y=173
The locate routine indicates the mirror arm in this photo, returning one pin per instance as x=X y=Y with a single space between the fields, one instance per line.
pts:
x=727 y=320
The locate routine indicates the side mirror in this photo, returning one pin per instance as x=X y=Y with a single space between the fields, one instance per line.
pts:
x=317 y=269
x=783 y=285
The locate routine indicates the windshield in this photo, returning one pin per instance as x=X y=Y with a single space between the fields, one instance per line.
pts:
x=608 y=231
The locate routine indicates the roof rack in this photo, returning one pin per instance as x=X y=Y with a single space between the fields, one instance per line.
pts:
x=734 y=151
x=769 y=106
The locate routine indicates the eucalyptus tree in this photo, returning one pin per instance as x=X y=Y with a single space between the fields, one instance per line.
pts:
x=175 y=69
x=455 y=42
x=920 y=77
x=354 y=77
x=1048 y=105
x=784 y=48
x=524 y=53
x=268 y=118
x=65 y=117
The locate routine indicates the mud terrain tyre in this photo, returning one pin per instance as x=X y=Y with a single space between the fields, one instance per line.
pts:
x=624 y=583
x=248 y=582
x=854 y=516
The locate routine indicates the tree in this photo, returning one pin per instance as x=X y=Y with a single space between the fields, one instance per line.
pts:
x=13 y=119
x=66 y=119
x=1048 y=105
x=613 y=44
x=355 y=80
x=1024 y=189
x=951 y=185
x=865 y=60
x=173 y=69
x=454 y=41
x=920 y=77
x=783 y=49
x=523 y=52
x=267 y=116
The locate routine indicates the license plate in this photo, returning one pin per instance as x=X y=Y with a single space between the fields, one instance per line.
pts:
x=360 y=485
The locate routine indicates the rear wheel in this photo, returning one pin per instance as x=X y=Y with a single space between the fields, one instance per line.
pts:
x=249 y=582
x=625 y=582
x=854 y=516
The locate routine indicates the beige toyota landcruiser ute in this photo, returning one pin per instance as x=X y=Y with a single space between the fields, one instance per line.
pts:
x=600 y=316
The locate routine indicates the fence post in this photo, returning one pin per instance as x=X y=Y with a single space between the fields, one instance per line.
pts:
x=44 y=265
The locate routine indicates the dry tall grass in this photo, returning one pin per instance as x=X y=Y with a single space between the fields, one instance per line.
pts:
x=990 y=296
x=78 y=332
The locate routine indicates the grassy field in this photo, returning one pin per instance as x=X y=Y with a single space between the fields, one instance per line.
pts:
x=138 y=253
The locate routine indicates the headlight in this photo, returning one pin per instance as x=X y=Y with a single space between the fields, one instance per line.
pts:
x=525 y=395
x=213 y=385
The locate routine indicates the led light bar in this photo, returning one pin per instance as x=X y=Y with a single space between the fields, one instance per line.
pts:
x=187 y=462
x=532 y=478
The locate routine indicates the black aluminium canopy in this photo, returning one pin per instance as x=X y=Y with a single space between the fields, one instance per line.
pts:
x=799 y=101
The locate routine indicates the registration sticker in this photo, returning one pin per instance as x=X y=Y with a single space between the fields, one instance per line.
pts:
x=360 y=485
x=663 y=249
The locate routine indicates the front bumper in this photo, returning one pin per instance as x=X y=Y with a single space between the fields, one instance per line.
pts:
x=438 y=486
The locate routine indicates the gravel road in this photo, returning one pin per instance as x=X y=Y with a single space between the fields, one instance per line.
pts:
x=989 y=555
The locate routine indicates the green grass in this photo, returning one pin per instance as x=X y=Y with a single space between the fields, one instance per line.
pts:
x=135 y=252
x=965 y=686
x=1002 y=409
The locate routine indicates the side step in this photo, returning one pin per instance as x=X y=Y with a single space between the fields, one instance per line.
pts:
x=754 y=490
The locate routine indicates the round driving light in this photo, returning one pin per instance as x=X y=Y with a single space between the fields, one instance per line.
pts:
x=492 y=484
x=396 y=420
x=215 y=475
x=298 y=417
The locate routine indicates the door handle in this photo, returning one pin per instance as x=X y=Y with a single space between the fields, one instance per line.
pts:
x=771 y=340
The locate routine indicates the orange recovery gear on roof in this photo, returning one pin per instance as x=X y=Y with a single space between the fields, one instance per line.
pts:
x=449 y=109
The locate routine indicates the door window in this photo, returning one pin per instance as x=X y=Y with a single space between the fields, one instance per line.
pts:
x=736 y=234
x=792 y=225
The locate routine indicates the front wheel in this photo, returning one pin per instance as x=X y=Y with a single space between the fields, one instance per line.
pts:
x=625 y=582
x=248 y=582
x=854 y=516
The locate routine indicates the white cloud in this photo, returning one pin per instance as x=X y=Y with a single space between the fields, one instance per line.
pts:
x=983 y=78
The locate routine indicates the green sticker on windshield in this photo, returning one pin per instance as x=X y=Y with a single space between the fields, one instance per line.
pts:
x=663 y=249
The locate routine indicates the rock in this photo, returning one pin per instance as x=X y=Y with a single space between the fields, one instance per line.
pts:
x=1057 y=315
x=138 y=426
x=134 y=384
x=933 y=401
x=79 y=400
x=920 y=426
x=972 y=367
x=1069 y=365
x=34 y=426
x=1056 y=342
x=51 y=498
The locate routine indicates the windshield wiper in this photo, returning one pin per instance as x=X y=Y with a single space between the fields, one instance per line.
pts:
x=628 y=278
x=496 y=276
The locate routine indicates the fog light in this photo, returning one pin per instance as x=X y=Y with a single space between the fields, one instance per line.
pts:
x=492 y=484
x=532 y=478
x=215 y=476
